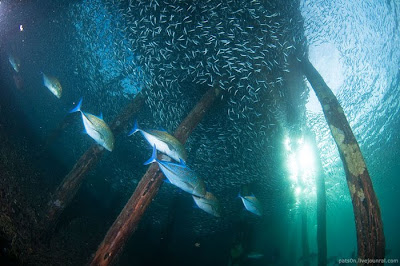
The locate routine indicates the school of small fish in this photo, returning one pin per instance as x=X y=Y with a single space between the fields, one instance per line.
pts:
x=173 y=51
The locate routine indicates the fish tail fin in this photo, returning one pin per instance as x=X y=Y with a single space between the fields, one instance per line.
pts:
x=135 y=128
x=77 y=108
x=153 y=157
x=45 y=79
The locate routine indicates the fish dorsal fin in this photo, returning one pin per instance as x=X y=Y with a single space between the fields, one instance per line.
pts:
x=182 y=162
x=245 y=198
x=162 y=129
x=101 y=116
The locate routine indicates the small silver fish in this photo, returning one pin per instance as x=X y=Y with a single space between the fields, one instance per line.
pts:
x=53 y=85
x=165 y=142
x=180 y=175
x=209 y=203
x=252 y=204
x=96 y=128
x=15 y=62
x=255 y=255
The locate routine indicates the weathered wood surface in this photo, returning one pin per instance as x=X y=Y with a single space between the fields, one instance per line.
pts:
x=129 y=218
x=367 y=214
x=73 y=180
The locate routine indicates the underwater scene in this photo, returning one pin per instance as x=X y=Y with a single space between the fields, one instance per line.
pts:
x=179 y=132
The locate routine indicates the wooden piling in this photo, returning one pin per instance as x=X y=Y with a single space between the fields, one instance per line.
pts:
x=321 y=207
x=129 y=218
x=321 y=201
x=73 y=180
x=367 y=214
x=304 y=235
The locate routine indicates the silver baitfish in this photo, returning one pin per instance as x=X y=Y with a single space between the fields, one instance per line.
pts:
x=53 y=85
x=209 y=203
x=252 y=204
x=165 y=142
x=180 y=175
x=254 y=255
x=96 y=128
x=15 y=62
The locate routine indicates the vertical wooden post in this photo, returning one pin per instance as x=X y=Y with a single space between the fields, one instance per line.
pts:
x=129 y=218
x=367 y=214
x=304 y=235
x=321 y=205
x=73 y=180
x=321 y=220
x=292 y=245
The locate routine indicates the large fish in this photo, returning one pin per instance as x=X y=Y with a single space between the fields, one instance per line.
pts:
x=53 y=85
x=96 y=128
x=252 y=204
x=180 y=175
x=15 y=63
x=209 y=203
x=165 y=142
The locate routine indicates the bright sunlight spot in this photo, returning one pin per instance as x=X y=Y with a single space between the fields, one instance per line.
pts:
x=297 y=191
x=306 y=157
x=301 y=166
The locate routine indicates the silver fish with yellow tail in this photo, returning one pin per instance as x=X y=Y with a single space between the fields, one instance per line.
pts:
x=209 y=203
x=96 y=128
x=165 y=142
x=53 y=85
x=180 y=175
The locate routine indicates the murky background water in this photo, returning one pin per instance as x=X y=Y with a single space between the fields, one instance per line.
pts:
x=173 y=52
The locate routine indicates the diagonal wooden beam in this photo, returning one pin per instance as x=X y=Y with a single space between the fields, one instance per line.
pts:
x=73 y=180
x=126 y=223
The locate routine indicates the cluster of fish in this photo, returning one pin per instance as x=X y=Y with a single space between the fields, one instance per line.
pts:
x=182 y=176
x=178 y=173
x=49 y=82
x=184 y=47
x=95 y=126
x=243 y=47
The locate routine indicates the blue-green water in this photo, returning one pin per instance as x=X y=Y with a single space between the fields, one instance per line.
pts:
x=172 y=52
